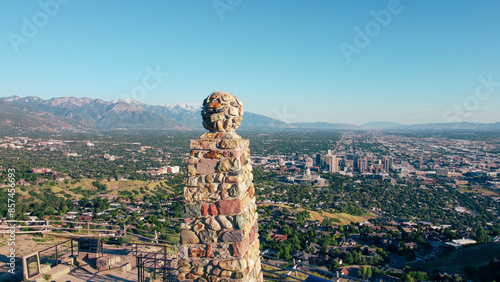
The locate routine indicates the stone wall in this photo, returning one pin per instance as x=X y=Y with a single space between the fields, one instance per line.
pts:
x=219 y=237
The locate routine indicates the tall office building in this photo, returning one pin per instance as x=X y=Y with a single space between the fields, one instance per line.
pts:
x=363 y=165
x=333 y=163
x=387 y=163
x=318 y=159
x=309 y=162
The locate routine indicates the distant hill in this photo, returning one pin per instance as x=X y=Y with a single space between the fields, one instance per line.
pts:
x=455 y=126
x=70 y=113
x=382 y=125
x=253 y=121
x=25 y=117
x=86 y=113
x=325 y=125
x=433 y=126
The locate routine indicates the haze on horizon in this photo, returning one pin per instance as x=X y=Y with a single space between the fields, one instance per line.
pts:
x=400 y=61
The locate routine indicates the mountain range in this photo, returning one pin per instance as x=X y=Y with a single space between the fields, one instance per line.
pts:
x=70 y=113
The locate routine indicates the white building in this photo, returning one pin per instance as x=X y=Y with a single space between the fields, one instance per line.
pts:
x=333 y=163
x=309 y=162
x=459 y=243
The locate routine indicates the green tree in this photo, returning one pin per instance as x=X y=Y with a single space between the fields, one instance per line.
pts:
x=366 y=272
x=480 y=235
x=349 y=259
x=49 y=210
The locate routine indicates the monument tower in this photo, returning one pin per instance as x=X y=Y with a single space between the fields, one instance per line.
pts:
x=219 y=237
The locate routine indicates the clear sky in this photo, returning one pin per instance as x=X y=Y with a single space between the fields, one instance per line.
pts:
x=298 y=61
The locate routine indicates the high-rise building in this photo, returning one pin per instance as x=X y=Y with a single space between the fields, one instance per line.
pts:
x=309 y=162
x=363 y=165
x=387 y=163
x=333 y=163
x=318 y=159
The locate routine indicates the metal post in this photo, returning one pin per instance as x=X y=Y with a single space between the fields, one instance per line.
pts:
x=71 y=247
x=164 y=257
x=139 y=278
x=143 y=268
x=155 y=265
x=56 y=256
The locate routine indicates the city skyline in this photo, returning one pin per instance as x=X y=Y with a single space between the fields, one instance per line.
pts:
x=399 y=61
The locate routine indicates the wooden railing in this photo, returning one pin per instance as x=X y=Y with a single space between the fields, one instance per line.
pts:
x=109 y=230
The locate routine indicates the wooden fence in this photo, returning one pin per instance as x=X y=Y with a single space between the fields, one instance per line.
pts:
x=107 y=230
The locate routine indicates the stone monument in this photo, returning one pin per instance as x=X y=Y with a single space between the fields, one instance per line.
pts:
x=219 y=237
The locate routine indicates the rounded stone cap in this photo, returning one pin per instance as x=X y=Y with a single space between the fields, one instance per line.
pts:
x=221 y=112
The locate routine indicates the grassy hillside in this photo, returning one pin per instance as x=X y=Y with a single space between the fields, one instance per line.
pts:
x=455 y=262
x=344 y=218
x=74 y=189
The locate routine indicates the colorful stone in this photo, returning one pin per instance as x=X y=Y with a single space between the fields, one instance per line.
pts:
x=219 y=233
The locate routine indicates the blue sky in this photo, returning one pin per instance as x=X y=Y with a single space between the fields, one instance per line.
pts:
x=405 y=61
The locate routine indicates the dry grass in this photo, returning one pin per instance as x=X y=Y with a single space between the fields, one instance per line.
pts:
x=111 y=187
x=343 y=217
x=488 y=192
